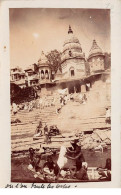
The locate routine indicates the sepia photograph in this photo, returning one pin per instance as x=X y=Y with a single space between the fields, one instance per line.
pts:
x=60 y=95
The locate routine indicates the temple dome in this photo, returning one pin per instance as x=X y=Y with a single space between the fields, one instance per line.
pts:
x=95 y=50
x=73 y=46
x=71 y=39
x=43 y=60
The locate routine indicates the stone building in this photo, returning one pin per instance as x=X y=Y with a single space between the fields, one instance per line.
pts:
x=44 y=71
x=31 y=78
x=17 y=76
x=96 y=58
x=73 y=75
x=72 y=58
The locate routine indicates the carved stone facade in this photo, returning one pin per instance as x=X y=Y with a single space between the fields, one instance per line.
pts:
x=72 y=64
x=96 y=59
x=43 y=69
x=72 y=58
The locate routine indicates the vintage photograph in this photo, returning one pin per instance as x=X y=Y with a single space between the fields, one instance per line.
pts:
x=60 y=94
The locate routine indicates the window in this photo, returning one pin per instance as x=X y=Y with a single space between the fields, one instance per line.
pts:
x=42 y=74
x=42 y=71
x=46 y=74
x=72 y=73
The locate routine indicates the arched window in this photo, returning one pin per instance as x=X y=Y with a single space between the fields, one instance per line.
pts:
x=42 y=74
x=42 y=71
x=46 y=74
x=72 y=72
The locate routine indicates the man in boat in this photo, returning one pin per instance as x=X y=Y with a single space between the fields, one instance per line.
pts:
x=75 y=153
x=82 y=173
x=50 y=167
x=106 y=171
x=32 y=157
x=35 y=158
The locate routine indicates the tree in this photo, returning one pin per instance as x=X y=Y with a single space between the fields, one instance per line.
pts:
x=54 y=59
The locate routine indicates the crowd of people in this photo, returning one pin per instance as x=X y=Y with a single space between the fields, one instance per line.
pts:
x=39 y=103
x=69 y=163
x=57 y=100
x=77 y=97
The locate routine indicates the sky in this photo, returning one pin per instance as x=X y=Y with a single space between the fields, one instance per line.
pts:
x=33 y=30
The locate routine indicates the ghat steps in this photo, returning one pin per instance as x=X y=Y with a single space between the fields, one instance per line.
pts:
x=74 y=117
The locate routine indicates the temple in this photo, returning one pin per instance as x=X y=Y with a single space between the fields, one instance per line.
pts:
x=73 y=75
x=72 y=58
x=96 y=58
x=44 y=71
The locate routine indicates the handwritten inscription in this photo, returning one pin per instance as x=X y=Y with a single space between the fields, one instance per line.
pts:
x=33 y=185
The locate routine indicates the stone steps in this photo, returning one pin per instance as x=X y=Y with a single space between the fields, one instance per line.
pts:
x=22 y=133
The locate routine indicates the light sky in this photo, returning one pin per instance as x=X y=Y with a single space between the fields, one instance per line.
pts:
x=33 y=30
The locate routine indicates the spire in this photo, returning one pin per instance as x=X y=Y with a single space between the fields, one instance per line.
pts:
x=95 y=49
x=70 y=30
x=94 y=45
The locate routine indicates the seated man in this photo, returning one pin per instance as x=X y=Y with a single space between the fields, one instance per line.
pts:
x=82 y=173
x=50 y=167
x=106 y=171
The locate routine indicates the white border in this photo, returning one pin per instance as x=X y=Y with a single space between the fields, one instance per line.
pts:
x=115 y=7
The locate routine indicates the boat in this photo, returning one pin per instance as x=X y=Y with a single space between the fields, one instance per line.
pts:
x=93 y=175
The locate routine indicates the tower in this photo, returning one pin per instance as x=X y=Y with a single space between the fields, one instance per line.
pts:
x=72 y=58
x=96 y=58
x=44 y=69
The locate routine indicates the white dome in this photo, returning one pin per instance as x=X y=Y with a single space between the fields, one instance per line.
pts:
x=71 y=39
x=72 y=47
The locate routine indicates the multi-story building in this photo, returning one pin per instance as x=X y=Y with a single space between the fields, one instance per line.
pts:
x=31 y=77
x=17 y=76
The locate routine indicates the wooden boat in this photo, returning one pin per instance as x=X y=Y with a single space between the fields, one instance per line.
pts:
x=92 y=172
